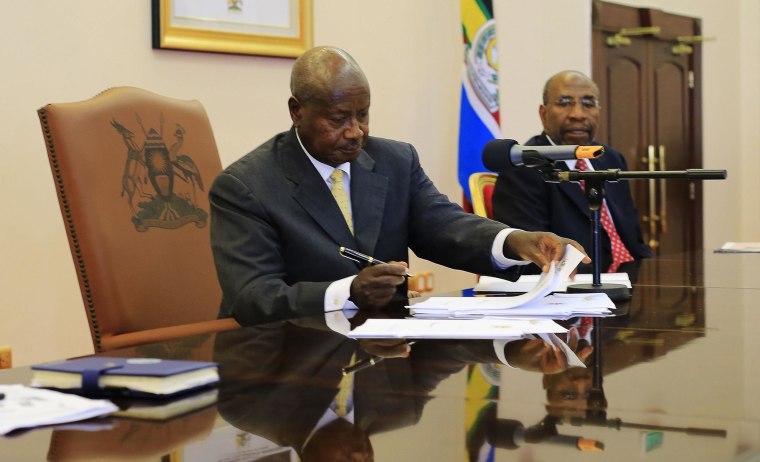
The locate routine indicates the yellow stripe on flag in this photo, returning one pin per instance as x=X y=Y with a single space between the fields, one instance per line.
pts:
x=473 y=18
x=478 y=390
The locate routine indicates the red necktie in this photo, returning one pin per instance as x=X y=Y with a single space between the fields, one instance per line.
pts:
x=620 y=254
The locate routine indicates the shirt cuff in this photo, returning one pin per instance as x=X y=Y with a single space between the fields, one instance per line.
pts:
x=339 y=321
x=497 y=251
x=337 y=294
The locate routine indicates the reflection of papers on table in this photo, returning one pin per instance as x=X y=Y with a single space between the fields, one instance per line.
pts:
x=484 y=328
x=473 y=329
x=739 y=247
x=528 y=281
x=25 y=407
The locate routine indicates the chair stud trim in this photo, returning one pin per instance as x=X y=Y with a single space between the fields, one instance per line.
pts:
x=71 y=228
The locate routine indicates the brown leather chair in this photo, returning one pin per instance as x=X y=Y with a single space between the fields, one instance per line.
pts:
x=131 y=169
x=481 y=190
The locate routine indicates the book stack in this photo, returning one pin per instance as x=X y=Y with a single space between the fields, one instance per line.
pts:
x=126 y=377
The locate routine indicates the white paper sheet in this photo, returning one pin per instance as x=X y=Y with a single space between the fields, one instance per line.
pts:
x=557 y=305
x=528 y=281
x=484 y=328
x=26 y=407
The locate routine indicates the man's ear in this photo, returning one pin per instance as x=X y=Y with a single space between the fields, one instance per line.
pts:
x=542 y=114
x=294 y=106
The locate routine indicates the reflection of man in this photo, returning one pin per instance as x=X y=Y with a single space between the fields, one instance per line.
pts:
x=623 y=344
x=279 y=214
x=282 y=381
x=569 y=114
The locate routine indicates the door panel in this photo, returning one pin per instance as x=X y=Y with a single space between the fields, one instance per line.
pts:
x=651 y=109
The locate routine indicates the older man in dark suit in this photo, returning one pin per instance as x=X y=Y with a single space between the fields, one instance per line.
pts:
x=280 y=214
x=521 y=198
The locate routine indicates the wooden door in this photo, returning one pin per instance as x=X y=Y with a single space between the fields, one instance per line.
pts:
x=650 y=96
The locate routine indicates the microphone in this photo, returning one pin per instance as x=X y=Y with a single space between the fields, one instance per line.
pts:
x=500 y=155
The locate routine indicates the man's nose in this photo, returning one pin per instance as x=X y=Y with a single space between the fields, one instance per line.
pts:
x=354 y=130
x=577 y=111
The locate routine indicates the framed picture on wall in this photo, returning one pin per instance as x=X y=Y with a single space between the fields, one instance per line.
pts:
x=257 y=27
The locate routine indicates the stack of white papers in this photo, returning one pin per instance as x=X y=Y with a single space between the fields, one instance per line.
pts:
x=498 y=318
x=25 y=407
x=535 y=303
x=528 y=281
x=557 y=306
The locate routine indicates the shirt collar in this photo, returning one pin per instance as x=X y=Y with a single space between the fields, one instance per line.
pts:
x=324 y=170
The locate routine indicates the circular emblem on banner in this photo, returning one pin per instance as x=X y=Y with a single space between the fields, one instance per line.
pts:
x=491 y=373
x=482 y=66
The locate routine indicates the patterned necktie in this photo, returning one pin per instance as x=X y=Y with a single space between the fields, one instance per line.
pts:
x=339 y=193
x=345 y=390
x=620 y=254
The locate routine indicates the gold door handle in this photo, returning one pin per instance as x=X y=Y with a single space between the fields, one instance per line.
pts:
x=621 y=38
x=663 y=195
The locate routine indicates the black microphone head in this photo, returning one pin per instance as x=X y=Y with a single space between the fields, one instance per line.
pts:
x=496 y=157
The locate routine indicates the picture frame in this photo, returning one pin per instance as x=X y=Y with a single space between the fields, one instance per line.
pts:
x=281 y=28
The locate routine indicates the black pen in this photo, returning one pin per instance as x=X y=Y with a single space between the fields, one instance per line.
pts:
x=365 y=363
x=361 y=258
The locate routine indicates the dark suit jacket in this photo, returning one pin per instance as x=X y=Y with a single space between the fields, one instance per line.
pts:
x=276 y=229
x=522 y=199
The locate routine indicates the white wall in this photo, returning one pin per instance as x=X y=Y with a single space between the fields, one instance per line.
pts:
x=530 y=51
x=55 y=51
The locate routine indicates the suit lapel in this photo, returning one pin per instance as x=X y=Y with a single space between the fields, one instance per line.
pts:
x=575 y=194
x=572 y=190
x=312 y=193
x=609 y=192
x=368 y=196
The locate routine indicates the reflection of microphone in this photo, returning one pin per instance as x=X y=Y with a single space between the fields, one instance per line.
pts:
x=500 y=155
x=510 y=434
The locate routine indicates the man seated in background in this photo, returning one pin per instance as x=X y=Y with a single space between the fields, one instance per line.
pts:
x=280 y=214
x=522 y=199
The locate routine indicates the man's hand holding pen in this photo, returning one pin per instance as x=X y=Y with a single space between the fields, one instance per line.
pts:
x=375 y=285
x=379 y=349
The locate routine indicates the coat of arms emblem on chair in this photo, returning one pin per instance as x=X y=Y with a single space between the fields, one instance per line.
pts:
x=148 y=182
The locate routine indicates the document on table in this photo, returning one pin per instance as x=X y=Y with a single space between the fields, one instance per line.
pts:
x=473 y=329
x=546 y=284
x=484 y=328
x=558 y=306
x=532 y=303
x=26 y=407
x=739 y=247
x=528 y=281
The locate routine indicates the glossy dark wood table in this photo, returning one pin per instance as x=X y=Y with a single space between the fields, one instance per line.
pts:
x=674 y=377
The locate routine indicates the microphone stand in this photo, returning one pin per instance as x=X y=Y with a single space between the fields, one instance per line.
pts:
x=595 y=192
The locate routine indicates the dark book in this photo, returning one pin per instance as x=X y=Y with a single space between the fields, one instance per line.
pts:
x=165 y=409
x=105 y=376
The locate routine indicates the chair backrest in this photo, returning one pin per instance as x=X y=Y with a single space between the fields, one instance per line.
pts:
x=132 y=439
x=481 y=191
x=131 y=170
